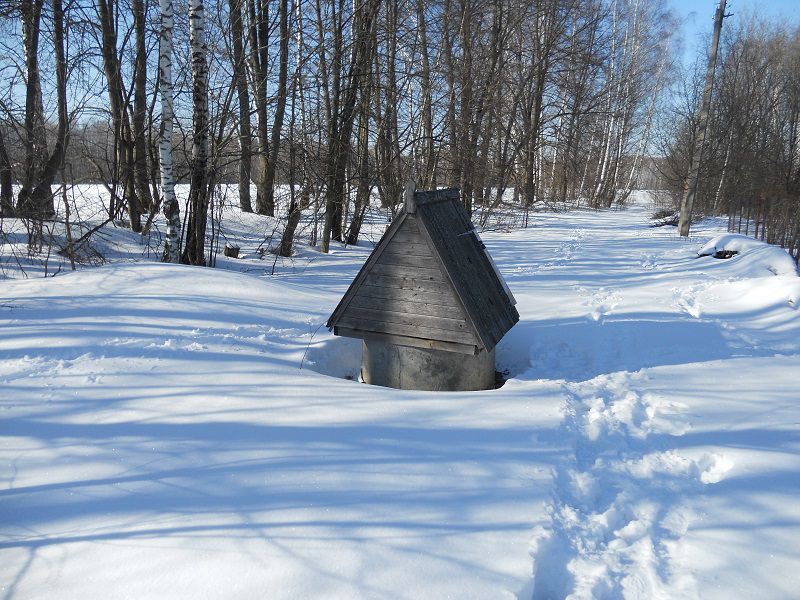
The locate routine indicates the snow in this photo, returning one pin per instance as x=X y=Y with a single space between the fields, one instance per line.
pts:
x=159 y=437
x=762 y=259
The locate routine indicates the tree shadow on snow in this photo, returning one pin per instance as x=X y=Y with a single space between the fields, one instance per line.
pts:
x=249 y=480
x=578 y=349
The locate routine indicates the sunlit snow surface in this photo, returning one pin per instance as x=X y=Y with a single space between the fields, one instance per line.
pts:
x=160 y=440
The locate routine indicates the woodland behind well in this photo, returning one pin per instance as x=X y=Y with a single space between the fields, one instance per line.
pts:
x=322 y=106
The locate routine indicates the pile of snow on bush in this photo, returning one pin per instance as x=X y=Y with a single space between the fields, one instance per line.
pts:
x=758 y=259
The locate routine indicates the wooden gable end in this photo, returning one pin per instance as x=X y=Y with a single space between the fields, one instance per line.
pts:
x=403 y=296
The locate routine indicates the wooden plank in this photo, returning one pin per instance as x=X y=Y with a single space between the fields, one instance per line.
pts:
x=411 y=307
x=400 y=340
x=444 y=299
x=426 y=273
x=409 y=248
x=409 y=232
x=426 y=333
x=408 y=260
x=403 y=237
x=407 y=283
x=412 y=320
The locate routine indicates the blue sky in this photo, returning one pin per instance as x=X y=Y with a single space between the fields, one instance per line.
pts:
x=697 y=16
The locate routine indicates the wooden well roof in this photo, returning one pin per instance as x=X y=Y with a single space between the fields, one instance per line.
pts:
x=429 y=283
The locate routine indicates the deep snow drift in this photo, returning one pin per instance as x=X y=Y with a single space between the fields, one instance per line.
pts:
x=159 y=438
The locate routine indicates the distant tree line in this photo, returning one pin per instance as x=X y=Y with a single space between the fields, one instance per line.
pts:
x=553 y=99
x=751 y=162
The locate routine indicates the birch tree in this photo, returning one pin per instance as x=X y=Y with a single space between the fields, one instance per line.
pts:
x=169 y=202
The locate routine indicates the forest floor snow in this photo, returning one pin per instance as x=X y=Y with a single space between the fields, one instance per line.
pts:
x=173 y=432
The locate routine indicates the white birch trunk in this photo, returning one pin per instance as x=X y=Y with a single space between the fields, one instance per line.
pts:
x=169 y=201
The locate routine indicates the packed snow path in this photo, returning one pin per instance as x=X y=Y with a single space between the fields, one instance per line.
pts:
x=682 y=405
x=160 y=440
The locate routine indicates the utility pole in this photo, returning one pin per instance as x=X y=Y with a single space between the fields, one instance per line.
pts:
x=690 y=186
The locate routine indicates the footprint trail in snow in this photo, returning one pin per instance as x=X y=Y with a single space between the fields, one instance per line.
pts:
x=627 y=492
x=619 y=508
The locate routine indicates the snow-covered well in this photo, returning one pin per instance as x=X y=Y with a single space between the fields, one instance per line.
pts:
x=429 y=302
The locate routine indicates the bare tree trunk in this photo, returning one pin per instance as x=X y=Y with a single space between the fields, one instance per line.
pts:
x=218 y=141
x=545 y=36
x=387 y=146
x=259 y=55
x=294 y=212
x=690 y=187
x=601 y=183
x=532 y=136
x=240 y=76
x=153 y=161
x=725 y=164
x=427 y=177
x=332 y=223
x=123 y=136
x=295 y=206
x=451 y=125
x=194 y=248
x=6 y=181
x=34 y=201
x=56 y=160
x=280 y=108
x=651 y=111
x=144 y=199
x=504 y=161
x=40 y=198
x=464 y=154
x=363 y=184
x=172 y=250
x=479 y=132
x=342 y=120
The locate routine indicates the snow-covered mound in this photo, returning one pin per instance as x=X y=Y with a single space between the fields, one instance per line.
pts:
x=160 y=440
x=754 y=258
